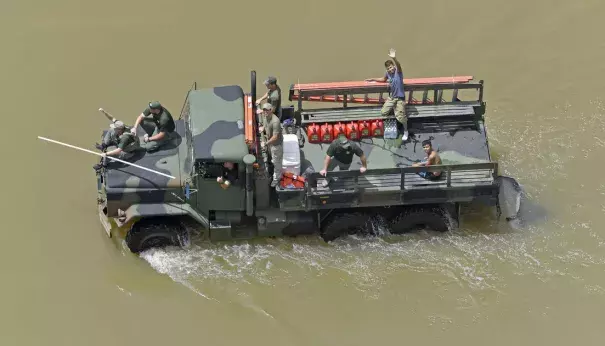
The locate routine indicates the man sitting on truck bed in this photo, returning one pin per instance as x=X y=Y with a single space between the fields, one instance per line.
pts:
x=396 y=99
x=158 y=117
x=432 y=158
x=340 y=154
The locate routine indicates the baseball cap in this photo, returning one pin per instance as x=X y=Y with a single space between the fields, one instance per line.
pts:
x=267 y=106
x=117 y=125
x=270 y=80
x=155 y=105
x=343 y=141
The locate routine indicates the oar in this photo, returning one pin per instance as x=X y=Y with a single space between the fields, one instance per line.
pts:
x=109 y=116
x=109 y=157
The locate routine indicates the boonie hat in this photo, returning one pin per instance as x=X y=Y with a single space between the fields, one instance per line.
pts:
x=117 y=125
x=155 y=105
x=270 y=80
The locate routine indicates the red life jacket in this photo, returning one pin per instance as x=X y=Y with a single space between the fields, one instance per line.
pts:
x=292 y=181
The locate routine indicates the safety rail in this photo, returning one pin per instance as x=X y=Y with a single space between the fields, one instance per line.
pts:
x=344 y=92
x=185 y=107
x=395 y=178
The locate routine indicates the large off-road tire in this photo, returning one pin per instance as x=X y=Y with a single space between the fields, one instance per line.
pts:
x=157 y=232
x=345 y=224
x=416 y=218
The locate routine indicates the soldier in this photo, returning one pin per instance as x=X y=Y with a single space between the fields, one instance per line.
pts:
x=158 y=117
x=340 y=154
x=273 y=95
x=273 y=130
x=432 y=159
x=125 y=142
x=396 y=99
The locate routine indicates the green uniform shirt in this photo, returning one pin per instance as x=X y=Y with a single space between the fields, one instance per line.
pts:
x=272 y=127
x=128 y=142
x=344 y=155
x=274 y=98
x=163 y=121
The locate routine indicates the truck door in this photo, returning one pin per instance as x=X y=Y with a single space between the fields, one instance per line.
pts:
x=211 y=196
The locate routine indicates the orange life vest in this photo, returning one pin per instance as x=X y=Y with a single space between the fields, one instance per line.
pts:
x=292 y=181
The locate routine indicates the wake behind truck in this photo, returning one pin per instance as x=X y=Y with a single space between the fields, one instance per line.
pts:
x=220 y=124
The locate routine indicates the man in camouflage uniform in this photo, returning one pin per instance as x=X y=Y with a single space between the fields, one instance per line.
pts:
x=125 y=142
x=273 y=95
x=158 y=118
x=273 y=130
x=340 y=154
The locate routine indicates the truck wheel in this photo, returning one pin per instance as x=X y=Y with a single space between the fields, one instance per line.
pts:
x=155 y=233
x=345 y=224
x=416 y=218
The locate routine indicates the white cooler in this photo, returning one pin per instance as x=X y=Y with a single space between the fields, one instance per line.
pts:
x=291 y=156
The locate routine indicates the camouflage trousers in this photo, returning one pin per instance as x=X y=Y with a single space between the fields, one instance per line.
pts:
x=277 y=152
x=398 y=104
x=110 y=137
x=151 y=129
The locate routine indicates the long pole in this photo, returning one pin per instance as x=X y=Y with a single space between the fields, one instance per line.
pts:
x=109 y=157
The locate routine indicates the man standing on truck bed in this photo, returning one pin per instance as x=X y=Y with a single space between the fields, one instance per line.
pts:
x=432 y=159
x=158 y=117
x=273 y=95
x=273 y=130
x=125 y=142
x=396 y=99
x=340 y=154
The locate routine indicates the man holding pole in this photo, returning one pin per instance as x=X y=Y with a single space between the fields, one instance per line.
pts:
x=125 y=142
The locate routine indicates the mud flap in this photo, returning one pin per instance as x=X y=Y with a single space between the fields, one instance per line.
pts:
x=509 y=199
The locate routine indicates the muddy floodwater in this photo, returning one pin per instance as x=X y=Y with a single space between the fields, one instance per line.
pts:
x=65 y=283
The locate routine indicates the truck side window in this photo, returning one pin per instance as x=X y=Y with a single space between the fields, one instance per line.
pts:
x=213 y=170
x=209 y=170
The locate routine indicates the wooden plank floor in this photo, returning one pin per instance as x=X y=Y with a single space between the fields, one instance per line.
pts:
x=392 y=182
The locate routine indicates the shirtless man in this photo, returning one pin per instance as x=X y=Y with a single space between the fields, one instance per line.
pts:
x=432 y=159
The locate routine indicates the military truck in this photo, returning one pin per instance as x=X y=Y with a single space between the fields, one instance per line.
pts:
x=220 y=124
